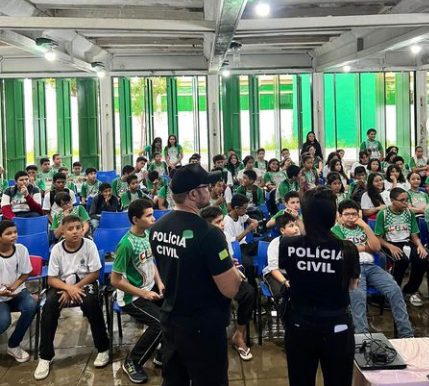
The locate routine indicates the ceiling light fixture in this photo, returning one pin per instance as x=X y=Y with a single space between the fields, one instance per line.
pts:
x=50 y=55
x=262 y=9
x=47 y=46
x=100 y=68
x=415 y=49
x=347 y=68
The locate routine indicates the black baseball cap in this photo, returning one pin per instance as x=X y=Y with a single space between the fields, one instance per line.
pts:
x=191 y=176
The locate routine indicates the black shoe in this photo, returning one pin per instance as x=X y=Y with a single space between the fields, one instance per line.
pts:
x=134 y=371
x=157 y=359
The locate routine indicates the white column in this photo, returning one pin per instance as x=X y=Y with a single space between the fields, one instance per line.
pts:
x=319 y=109
x=106 y=124
x=213 y=116
x=421 y=110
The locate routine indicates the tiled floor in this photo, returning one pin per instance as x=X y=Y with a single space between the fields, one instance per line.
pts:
x=73 y=364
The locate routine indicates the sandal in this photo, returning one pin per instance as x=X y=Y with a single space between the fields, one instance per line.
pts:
x=245 y=355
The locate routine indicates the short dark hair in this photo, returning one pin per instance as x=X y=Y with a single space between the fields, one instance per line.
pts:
x=153 y=175
x=140 y=159
x=104 y=186
x=283 y=220
x=362 y=153
x=90 y=170
x=251 y=174
x=62 y=197
x=396 y=192
x=398 y=158
x=71 y=218
x=209 y=213
x=369 y=131
x=127 y=169
x=305 y=157
x=247 y=159
x=155 y=154
x=291 y=194
x=62 y=168
x=44 y=159
x=131 y=177
x=348 y=204
x=55 y=155
x=138 y=207
x=284 y=149
x=21 y=173
x=77 y=163
x=238 y=200
x=260 y=149
x=218 y=157
x=31 y=167
x=360 y=170
x=4 y=224
x=196 y=156
x=59 y=176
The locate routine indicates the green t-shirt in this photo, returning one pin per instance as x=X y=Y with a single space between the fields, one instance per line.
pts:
x=47 y=178
x=79 y=211
x=166 y=193
x=396 y=227
x=161 y=168
x=127 y=198
x=261 y=165
x=40 y=184
x=4 y=184
x=373 y=147
x=275 y=178
x=418 y=199
x=134 y=261
x=119 y=187
x=341 y=197
x=249 y=194
x=288 y=186
x=71 y=186
x=90 y=189
x=173 y=153
x=159 y=185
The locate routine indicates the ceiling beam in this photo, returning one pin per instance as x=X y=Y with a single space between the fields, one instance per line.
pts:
x=109 y=3
x=228 y=17
x=65 y=23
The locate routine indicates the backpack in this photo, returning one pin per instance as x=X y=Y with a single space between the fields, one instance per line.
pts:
x=257 y=214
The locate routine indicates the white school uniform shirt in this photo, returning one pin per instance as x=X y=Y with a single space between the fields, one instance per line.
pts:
x=235 y=228
x=55 y=209
x=366 y=202
x=404 y=185
x=66 y=265
x=11 y=268
x=325 y=171
x=273 y=257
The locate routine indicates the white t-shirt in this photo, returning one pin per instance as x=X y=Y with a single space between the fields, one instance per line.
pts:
x=235 y=228
x=228 y=194
x=404 y=185
x=355 y=165
x=55 y=209
x=325 y=171
x=366 y=202
x=65 y=264
x=273 y=257
x=257 y=171
x=11 y=268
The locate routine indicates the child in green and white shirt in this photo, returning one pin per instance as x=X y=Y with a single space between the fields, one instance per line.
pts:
x=372 y=146
x=418 y=201
x=119 y=184
x=46 y=174
x=133 y=193
x=91 y=186
x=159 y=165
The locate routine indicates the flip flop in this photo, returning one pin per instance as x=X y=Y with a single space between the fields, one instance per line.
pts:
x=245 y=355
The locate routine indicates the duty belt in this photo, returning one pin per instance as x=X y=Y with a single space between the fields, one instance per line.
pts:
x=315 y=311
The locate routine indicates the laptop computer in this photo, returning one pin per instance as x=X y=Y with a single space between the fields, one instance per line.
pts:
x=375 y=352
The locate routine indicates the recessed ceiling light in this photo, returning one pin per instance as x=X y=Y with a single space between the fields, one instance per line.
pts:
x=262 y=9
x=226 y=73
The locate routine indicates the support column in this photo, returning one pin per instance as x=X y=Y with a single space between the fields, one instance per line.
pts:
x=108 y=158
x=421 y=103
x=39 y=120
x=172 y=108
x=231 y=114
x=254 y=114
x=14 y=127
x=88 y=122
x=403 y=115
x=214 y=133
x=380 y=103
x=319 y=109
x=196 y=113
x=297 y=110
x=125 y=122
x=148 y=101
x=64 y=123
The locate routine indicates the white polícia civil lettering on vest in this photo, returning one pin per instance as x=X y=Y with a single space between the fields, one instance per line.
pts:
x=167 y=251
x=326 y=254
x=169 y=238
x=315 y=266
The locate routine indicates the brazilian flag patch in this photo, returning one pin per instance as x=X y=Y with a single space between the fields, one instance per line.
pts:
x=223 y=254
x=188 y=234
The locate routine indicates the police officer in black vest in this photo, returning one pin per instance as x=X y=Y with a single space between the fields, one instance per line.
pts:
x=195 y=266
x=321 y=269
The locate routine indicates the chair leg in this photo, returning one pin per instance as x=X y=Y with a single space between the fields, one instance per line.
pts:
x=259 y=317
x=36 y=338
x=248 y=334
x=118 y=316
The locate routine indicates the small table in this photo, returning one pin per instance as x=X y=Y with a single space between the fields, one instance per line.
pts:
x=415 y=352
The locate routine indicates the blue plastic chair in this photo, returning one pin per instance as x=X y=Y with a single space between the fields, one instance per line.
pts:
x=106 y=176
x=424 y=233
x=158 y=213
x=236 y=251
x=114 y=220
x=372 y=223
x=262 y=257
x=11 y=182
x=88 y=203
x=107 y=239
x=274 y=232
x=37 y=244
x=422 y=189
x=31 y=225
x=264 y=209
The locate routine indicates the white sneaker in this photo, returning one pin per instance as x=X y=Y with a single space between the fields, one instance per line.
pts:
x=416 y=301
x=18 y=353
x=42 y=370
x=102 y=359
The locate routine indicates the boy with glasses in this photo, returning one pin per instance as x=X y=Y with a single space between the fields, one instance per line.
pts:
x=398 y=232
x=351 y=227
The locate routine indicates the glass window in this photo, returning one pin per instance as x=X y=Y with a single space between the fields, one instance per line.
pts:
x=288 y=127
x=187 y=122
x=244 y=116
x=28 y=109
x=330 y=121
x=202 y=112
x=138 y=114
x=267 y=119
x=160 y=108
x=390 y=108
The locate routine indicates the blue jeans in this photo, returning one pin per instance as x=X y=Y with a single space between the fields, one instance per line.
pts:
x=376 y=277
x=23 y=303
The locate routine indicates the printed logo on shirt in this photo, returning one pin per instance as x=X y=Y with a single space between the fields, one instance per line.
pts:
x=145 y=256
x=188 y=234
x=223 y=254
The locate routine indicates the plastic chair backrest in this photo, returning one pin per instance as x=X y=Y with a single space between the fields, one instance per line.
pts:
x=107 y=239
x=371 y=223
x=236 y=250
x=264 y=209
x=32 y=225
x=158 y=213
x=106 y=176
x=88 y=203
x=37 y=244
x=36 y=263
x=424 y=233
x=101 y=278
x=114 y=220
x=274 y=232
x=262 y=256
x=11 y=182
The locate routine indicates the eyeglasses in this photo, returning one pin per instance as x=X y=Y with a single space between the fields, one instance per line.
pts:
x=403 y=201
x=350 y=215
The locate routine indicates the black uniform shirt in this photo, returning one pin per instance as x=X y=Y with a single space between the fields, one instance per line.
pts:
x=315 y=271
x=189 y=251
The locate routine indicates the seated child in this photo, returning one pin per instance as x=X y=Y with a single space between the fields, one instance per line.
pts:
x=103 y=201
x=34 y=180
x=119 y=184
x=90 y=186
x=133 y=193
x=358 y=187
x=74 y=267
x=165 y=195
x=15 y=268
x=78 y=177
x=69 y=181
x=217 y=197
x=248 y=188
x=293 y=207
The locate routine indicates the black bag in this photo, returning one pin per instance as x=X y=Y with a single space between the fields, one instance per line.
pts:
x=257 y=214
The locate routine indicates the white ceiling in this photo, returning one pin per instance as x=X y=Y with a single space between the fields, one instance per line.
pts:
x=193 y=36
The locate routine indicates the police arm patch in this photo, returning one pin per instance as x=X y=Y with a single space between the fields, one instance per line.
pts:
x=223 y=254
